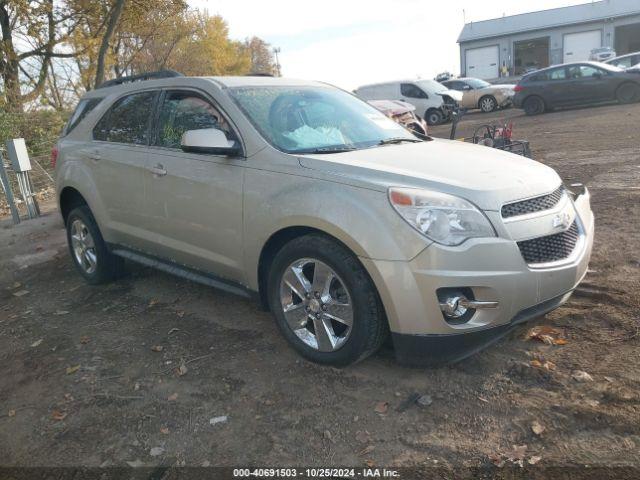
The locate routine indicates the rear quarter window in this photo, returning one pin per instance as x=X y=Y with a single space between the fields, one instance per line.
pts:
x=83 y=109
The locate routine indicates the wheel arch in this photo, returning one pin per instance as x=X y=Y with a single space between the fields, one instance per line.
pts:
x=69 y=199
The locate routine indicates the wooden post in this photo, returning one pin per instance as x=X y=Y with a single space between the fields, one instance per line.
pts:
x=6 y=186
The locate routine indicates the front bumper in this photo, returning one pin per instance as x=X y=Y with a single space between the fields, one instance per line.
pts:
x=494 y=270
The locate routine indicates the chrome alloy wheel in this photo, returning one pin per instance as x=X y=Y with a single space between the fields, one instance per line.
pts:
x=487 y=104
x=316 y=304
x=84 y=249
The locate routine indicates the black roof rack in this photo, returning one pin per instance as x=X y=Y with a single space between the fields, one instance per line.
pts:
x=141 y=77
x=259 y=74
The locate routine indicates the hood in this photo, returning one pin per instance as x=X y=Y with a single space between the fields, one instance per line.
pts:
x=454 y=94
x=486 y=176
x=506 y=86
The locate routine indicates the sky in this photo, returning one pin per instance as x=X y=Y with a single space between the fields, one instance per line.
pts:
x=353 y=42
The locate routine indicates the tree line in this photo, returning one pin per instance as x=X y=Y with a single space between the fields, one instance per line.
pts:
x=52 y=51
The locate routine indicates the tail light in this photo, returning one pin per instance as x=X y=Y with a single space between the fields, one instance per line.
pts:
x=518 y=88
x=54 y=157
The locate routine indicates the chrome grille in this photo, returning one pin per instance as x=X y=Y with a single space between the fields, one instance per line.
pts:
x=551 y=248
x=537 y=204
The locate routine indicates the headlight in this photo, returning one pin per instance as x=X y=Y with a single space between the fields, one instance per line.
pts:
x=440 y=217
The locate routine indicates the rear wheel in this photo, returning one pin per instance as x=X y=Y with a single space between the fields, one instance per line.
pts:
x=628 y=93
x=324 y=302
x=433 y=117
x=488 y=104
x=88 y=250
x=533 y=106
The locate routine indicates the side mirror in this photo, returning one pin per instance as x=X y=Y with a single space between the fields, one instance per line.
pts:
x=208 y=140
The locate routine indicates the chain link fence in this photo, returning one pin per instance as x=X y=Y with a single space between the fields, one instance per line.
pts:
x=40 y=131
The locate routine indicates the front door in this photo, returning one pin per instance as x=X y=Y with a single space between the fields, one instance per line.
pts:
x=195 y=200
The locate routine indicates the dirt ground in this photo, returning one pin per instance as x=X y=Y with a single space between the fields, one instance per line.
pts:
x=91 y=376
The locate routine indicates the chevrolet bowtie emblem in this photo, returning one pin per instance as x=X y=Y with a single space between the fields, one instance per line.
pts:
x=561 y=220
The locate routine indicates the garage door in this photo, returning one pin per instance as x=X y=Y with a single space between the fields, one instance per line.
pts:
x=482 y=62
x=578 y=46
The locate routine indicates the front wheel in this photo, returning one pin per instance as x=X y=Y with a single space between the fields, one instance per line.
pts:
x=628 y=93
x=533 y=106
x=324 y=302
x=434 y=117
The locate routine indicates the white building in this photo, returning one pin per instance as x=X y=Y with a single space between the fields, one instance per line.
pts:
x=548 y=37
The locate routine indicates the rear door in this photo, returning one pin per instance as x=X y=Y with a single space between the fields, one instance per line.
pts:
x=118 y=157
x=195 y=200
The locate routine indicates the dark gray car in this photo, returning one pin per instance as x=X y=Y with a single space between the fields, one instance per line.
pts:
x=572 y=84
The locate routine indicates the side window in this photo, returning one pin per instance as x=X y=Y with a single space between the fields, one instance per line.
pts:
x=182 y=111
x=624 y=62
x=584 y=71
x=412 y=91
x=558 y=74
x=82 y=110
x=127 y=121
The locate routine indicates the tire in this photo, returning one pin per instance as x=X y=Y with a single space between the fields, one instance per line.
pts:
x=533 y=105
x=88 y=250
x=488 y=104
x=628 y=93
x=316 y=257
x=433 y=117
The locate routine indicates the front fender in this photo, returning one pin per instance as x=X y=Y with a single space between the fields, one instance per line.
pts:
x=360 y=218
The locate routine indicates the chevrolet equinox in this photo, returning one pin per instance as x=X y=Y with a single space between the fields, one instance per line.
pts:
x=341 y=222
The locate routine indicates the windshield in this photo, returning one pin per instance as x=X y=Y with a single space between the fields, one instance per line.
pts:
x=477 y=83
x=431 y=86
x=315 y=119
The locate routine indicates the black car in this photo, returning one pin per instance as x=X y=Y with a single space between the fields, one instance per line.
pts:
x=573 y=84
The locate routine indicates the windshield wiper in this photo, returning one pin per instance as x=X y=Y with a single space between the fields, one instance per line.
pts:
x=390 y=141
x=337 y=149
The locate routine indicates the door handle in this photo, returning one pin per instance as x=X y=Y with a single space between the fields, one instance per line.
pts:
x=158 y=170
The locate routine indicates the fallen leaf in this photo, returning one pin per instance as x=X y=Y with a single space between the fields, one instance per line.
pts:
x=382 y=407
x=537 y=427
x=164 y=431
x=517 y=452
x=362 y=436
x=536 y=363
x=220 y=419
x=497 y=460
x=367 y=450
x=533 y=460
x=73 y=369
x=153 y=302
x=173 y=397
x=482 y=399
x=84 y=340
x=557 y=341
x=156 y=451
x=370 y=463
x=136 y=463
x=592 y=403
x=60 y=312
x=157 y=348
x=182 y=370
x=327 y=435
x=36 y=343
x=12 y=413
x=581 y=376
x=546 y=334
x=58 y=415
x=424 y=401
x=20 y=293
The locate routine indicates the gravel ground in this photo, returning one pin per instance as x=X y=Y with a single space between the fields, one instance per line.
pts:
x=136 y=372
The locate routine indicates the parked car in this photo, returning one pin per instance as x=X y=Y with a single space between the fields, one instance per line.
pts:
x=601 y=54
x=344 y=224
x=402 y=113
x=625 y=61
x=477 y=93
x=431 y=99
x=580 y=83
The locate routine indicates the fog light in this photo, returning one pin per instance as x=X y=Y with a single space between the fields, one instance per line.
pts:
x=458 y=305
